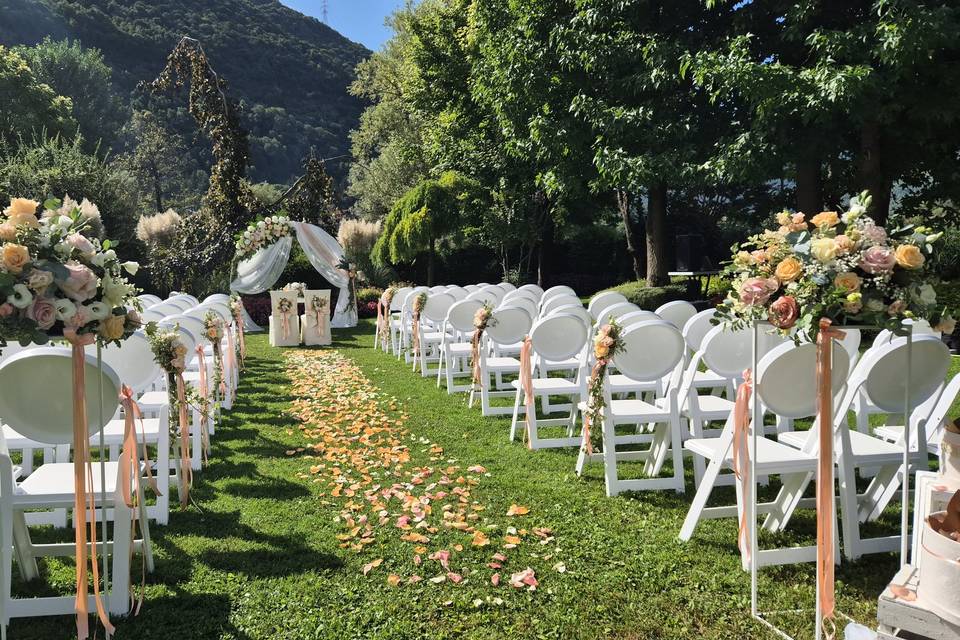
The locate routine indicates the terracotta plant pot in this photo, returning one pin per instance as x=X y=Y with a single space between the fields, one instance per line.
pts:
x=939 y=572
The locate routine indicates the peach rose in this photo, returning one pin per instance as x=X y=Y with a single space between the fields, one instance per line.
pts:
x=601 y=351
x=827 y=219
x=43 y=312
x=25 y=220
x=896 y=308
x=788 y=270
x=15 y=257
x=908 y=256
x=112 y=327
x=81 y=285
x=848 y=281
x=783 y=312
x=22 y=206
x=8 y=231
x=844 y=244
x=6 y=310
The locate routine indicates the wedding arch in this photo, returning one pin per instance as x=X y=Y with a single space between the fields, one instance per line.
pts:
x=258 y=272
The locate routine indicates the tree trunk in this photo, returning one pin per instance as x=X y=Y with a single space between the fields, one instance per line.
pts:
x=546 y=241
x=809 y=184
x=630 y=231
x=656 y=228
x=431 y=261
x=157 y=187
x=872 y=176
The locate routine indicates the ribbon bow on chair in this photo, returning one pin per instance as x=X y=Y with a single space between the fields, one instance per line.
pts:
x=741 y=455
x=526 y=381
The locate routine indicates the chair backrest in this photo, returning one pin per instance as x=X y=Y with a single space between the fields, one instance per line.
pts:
x=166 y=309
x=602 y=300
x=558 y=337
x=148 y=300
x=195 y=325
x=677 y=312
x=650 y=350
x=636 y=317
x=532 y=288
x=181 y=303
x=438 y=289
x=436 y=307
x=461 y=313
x=883 y=372
x=615 y=311
x=323 y=294
x=558 y=300
x=213 y=297
x=458 y=292
x=697 y=328
x=484 y=297
x=506 y=286
x=151 y=315
x=44 y=412
x=398 y=297
x=572 y=309
x=561 y=288
x=495 y=291
x=508 y=325
x=729 y=353
x=223 y=310
x=523 y=303
x=471 y=287
x=132 y=361
x=275 y=298
x=787 y=378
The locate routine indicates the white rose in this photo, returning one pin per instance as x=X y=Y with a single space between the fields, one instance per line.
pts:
x=928 y=295
x=246 y=234
x=65 y=309
x=96 y=310
x=21 y=296
x=260 y=224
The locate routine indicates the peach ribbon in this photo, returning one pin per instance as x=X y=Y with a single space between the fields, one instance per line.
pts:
x=186 y=470
x=231 y=358
x=825 y=512
x=84 y=498
x=285 y=323
x=380 y=328
x=741 y=456
x=238 y=320
x=526 y=381
x=475 y=357
x=218 y=363
x=416 y=339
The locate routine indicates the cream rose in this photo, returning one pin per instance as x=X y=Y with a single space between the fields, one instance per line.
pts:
x=823 y=249
x=8 y=231
x=15 y=257
x=39 y=280
x=908 y=256
x=80 y=243
x=788 y=270
x=946 y=326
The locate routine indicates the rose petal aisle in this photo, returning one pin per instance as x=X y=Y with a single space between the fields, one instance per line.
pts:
x=361 y=454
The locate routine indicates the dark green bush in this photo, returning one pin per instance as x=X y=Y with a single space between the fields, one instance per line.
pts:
x=946 y=255
x=368 y=294
x=651 y=297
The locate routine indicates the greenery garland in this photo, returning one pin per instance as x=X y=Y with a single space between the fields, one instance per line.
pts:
x=606 y=345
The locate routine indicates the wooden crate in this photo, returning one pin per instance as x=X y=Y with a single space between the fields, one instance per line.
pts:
x=901 y=620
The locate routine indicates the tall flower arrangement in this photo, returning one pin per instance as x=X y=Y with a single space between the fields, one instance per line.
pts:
x=214 y=333
x=57 y=276
x=236 y=308
x=416 y=309
x=843 y=267
x=481 y=320
x=383 y=315
x=606 y=345
x=262 y=234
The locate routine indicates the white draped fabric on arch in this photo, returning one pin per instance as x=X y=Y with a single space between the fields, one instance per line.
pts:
x=261 y=271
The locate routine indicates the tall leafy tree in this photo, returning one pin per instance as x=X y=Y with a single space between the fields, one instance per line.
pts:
x=82 y=75
x=29 y=105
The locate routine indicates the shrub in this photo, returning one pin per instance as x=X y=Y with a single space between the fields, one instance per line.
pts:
x=650 y=298
x=369 y=294
x=160 y=229
x=946 y=255
x=367 y=310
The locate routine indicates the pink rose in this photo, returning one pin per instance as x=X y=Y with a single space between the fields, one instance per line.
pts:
x=878 y=260
x=874 y=234
x=43 y=312
x=896 y=308
x=6 y=310
x=79 y=319
x=81 y=285
x=757 y=290
x=80 y=243
x=783 y=312
x=134 y=318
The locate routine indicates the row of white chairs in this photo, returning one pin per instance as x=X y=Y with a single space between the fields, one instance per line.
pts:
x=673 y=383
x=36 y=412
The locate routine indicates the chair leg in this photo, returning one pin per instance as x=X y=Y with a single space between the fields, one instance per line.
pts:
x=119 y=601
x=6 y=564
x=787 y=500
x=700 y=499
x=516 y=415
x=879 y=493
x=609 y=457
x=22 y=546
x=677 y=446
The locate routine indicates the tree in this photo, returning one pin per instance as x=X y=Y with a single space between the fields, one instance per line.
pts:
x=156 y=158
x=30 y=107
x=430 y=211
x=81 y=75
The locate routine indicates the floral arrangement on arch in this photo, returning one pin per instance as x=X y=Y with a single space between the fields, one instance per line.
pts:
x=606 y=345
x=57 y=275
x=842 y=267
x=262 y=234
x=299 y=287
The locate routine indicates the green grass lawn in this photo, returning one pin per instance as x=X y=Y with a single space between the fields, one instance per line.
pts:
x=261 y=560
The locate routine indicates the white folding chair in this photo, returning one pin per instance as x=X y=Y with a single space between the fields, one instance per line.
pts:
x=677 y=312
x=508 y=325
x=556 y=338
x=284 y=326
x=432 y=315
x=532 y=288
x=650 y=351
x=456 y=344
x=602 y=300
x=395 y=320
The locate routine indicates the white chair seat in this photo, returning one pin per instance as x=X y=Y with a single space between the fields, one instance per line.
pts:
x=53 y=484
x=503 y=364
x=624 y=410
x=772 y=457
x=552 y=386
x=865 y=448
x=708 y=380
x=113 y=432
x=153 y=400
x=459 y=348
x=558 y=365
x=432 y=336
x=713 y=407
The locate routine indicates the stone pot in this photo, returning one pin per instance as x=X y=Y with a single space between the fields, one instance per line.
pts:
x=939 y=584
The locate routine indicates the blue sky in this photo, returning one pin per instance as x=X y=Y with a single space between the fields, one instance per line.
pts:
x=359 y=20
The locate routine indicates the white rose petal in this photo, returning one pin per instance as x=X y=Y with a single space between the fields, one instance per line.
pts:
x=131 y=267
